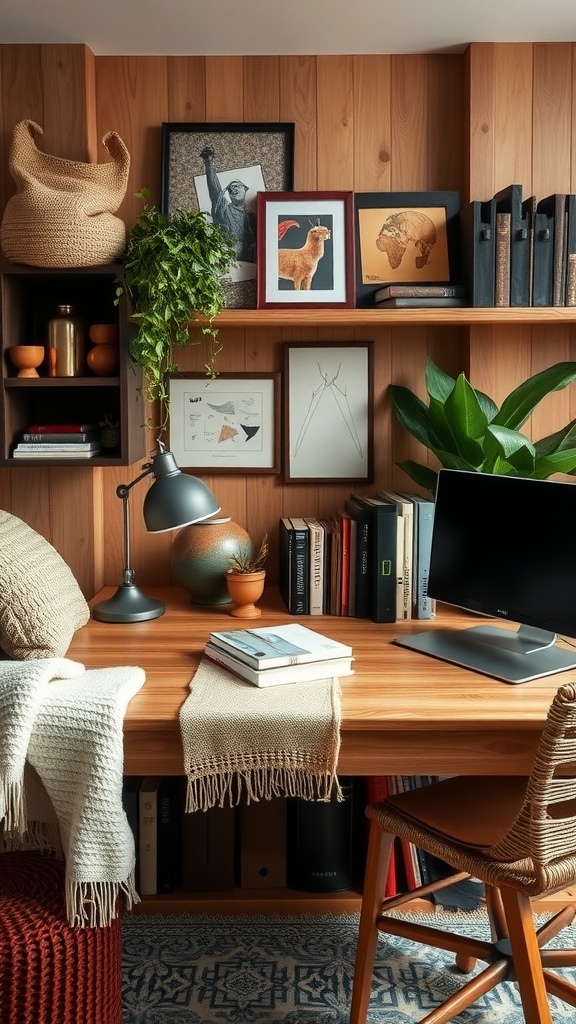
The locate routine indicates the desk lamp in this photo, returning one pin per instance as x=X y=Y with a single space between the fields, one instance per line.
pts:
x=174 y=500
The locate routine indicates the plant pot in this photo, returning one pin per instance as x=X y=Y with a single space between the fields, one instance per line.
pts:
x=244 y=590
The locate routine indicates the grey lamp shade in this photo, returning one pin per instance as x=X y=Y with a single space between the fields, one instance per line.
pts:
x=175 y=499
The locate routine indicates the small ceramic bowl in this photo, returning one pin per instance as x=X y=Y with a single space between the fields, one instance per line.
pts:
x=103 y=334
x=26 y=358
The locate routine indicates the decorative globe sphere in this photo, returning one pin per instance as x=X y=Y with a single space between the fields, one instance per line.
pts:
x=201 y=555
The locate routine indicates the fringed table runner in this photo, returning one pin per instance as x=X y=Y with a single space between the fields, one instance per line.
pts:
x=261 y=742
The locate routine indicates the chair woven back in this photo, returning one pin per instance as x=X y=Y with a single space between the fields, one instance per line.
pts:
x=545 y=829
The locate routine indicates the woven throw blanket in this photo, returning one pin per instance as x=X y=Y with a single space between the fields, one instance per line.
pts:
x=61 y=765
x=264 y=742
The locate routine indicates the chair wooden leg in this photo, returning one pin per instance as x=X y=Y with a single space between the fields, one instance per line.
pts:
x=377 y=861
x=469 y=993
x=496 y=915
x=526 y=953
x=560 y=987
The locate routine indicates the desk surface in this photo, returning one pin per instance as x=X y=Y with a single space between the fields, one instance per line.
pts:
x=402 y=712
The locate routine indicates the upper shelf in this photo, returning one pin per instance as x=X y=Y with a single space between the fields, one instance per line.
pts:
x=452 y=316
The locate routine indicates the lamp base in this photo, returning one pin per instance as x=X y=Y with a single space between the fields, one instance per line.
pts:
x=128 y=604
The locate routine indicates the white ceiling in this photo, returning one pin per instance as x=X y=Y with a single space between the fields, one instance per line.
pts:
x=284 y=26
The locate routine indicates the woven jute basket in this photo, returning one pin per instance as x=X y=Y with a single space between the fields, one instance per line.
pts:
x=62 y=212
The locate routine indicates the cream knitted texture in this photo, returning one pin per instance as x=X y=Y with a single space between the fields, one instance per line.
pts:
x=22 y=687
x=76 y=749
x=264 y=742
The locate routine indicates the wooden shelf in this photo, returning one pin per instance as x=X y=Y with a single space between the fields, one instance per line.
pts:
x=449 y=316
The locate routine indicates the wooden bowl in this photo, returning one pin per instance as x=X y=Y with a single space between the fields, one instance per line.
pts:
x=26 y=358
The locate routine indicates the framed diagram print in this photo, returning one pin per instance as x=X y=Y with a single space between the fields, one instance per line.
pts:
x=229 y=424
x=328 y=412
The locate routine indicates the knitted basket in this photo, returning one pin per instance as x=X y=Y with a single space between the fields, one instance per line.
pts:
x=62 y=212
x=51 y=973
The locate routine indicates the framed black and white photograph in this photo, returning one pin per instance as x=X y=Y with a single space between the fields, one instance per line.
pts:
x=405 y=238
x=219 y=169
x=305 y=250
x=328 y=412
x=227 y=424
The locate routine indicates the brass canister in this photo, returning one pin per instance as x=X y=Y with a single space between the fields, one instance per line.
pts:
x=65 y=344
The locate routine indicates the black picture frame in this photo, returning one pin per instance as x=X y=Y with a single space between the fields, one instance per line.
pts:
x=258 y=157
x=421 y=248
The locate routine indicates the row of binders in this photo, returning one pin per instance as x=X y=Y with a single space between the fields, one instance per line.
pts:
x=519 y=252
x=370 y=560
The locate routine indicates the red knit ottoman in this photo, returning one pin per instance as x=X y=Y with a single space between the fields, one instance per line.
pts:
x=51 y=973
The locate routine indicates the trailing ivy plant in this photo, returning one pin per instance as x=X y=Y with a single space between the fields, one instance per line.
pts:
x=173 y=268
x=465 y=429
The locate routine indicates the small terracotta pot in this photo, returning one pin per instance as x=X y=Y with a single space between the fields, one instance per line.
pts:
x=245 y=589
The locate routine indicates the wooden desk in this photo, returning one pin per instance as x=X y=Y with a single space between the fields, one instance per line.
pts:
x=402 y=712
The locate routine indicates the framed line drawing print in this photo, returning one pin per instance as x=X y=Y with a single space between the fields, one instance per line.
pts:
x=328 y=410
x=405 y=238
x=229 y=424
x=219 y=169
x=305 y=250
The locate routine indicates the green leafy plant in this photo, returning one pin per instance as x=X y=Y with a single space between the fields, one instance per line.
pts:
x=244 y=560
x=465 y=429
x=173 y=268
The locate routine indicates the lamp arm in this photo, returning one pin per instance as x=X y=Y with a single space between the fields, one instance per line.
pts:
x=122 y=492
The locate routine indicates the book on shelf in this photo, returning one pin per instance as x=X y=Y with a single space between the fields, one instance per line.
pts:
x=361 y=517
x=377 y=789
x=344 y=527
x=148 y=834
x=502 y=260
x=59 y=437
x=61 y=428
x=293 y=565
x=543 y=259
x=316 y=565
x=404 y=548
x=423 y=606
x=421 y=303
x=420 y=291
x=207 y=850
x=327 y=565
x=477 y=245
x=279 y=676
x=559 y=251
x=47 y=454
x=570 y=297
x=58 y=446
x=171 y=800
x=515 y=215
x=382 y=554
x=269 y=647
x=130 y=800
x=335 y=566
x=353 y=567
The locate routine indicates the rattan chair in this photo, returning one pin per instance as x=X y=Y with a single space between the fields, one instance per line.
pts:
x=518 y=835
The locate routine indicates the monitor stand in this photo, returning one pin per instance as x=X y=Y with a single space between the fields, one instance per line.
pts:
x=513 y=657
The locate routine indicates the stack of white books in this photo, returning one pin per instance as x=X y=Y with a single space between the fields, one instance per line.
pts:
x=272 y=655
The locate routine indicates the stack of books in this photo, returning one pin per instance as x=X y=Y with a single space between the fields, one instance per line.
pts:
x=420 y=296
x=59 y=441
x=273 y=655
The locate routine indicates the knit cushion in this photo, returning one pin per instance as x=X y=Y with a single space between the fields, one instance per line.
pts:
x=41 y=604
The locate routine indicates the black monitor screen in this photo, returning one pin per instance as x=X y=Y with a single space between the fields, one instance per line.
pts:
x=506 y=547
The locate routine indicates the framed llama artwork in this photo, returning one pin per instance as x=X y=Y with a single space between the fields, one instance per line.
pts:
x=305 y=250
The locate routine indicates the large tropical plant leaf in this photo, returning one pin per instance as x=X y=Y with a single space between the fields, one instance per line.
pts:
x=521 y=402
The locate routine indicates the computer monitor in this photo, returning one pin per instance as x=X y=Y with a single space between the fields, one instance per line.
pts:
x=503 y=547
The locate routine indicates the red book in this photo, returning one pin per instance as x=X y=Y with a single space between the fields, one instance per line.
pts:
x=60 y=428
x=378 y=788
x=344 y=523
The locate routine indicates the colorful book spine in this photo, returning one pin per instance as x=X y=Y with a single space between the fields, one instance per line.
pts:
x=148 y=834
x=301 y=571
x=316 y=566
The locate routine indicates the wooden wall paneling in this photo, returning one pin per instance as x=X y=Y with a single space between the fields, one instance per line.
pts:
x=298 y=104
x=409 y=113
x=372 y=123
x=5 y=489
x=573 y=127
x=132 y=99
x=550 y=345
x=383 y=346
x=335 y=122
x=500 y=358
x=225 y=89
x=445 y=101
x=110 y=509
x=21 y=96
x=479 y=141
x=261 y=89
x=68 y=84
x=552 y=118
x=31 y=500
x=513 y=122
x=186 y=89
x=409 y=351
x=74 y=505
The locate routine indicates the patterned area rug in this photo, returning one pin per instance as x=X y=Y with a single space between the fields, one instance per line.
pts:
x=294 y=970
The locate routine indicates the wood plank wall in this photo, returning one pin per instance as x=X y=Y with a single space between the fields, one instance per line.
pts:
x=474 y=122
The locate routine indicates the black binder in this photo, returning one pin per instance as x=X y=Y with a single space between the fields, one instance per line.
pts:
x=543 y=252
x=509 y=200
x=477 y=241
